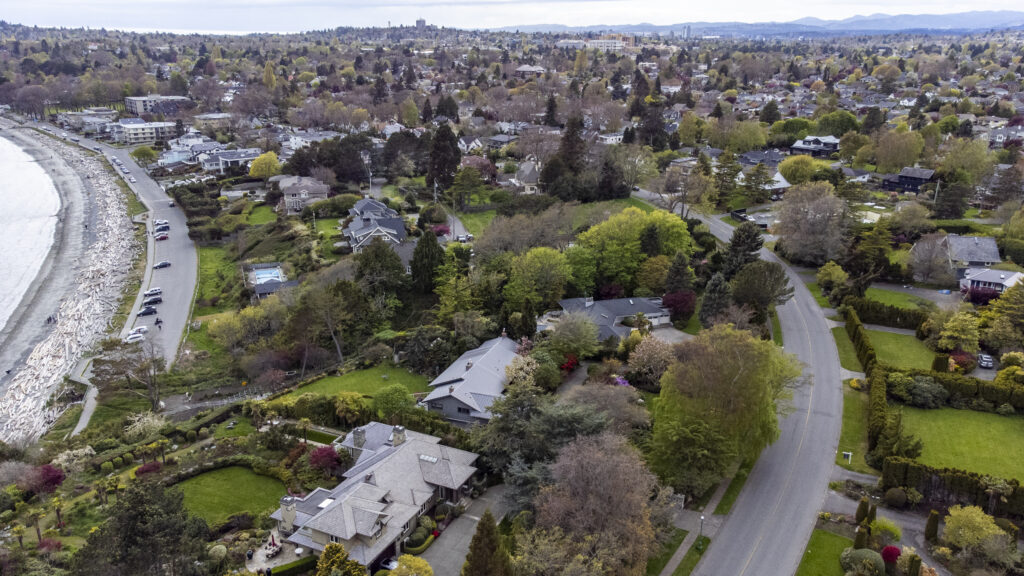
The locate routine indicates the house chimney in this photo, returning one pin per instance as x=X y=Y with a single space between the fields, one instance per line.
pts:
x=451 y=389
x=288 y=514
x=469 y=365
x=398 y=435
x=359 y=437
x=588 y=302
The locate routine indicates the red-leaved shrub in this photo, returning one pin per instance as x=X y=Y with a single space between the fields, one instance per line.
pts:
x=890 y=554
x=148 y=467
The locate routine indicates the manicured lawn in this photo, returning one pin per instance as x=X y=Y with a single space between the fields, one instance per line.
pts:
x=366 y=382
x=243 y=427
x=818 y=297
x=692 y=557
x=854 y=437
x=260 y=215
x=968 y=440
x=847 y=353
x=901 y=350
x=734 y=489
x=894 y=298
x=216 y=496
x=115 y=407
x=693 y=324
x=655 y=564
x=326 y=228
x=477 y=222
x=822 y=555
x=215 y=270
x=321 y=437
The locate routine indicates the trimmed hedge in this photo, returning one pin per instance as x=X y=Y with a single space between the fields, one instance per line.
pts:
x=873 y=312
x=254 y=463
x=216 y=416
x=1013 y=249
x=878 y=407
x=969 y=388
x=96 y=461
x=950 y=486
x=861 y=343
x=417 y=550
x=300 y=566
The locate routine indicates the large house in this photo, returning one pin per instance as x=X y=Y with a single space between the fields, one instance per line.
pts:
x=965 y=252
x=372 y=219
x=220 y=161
x=985 y=279
x=609 y=314
x=908 y=180
x=136 y=131
x=817 y=146
x=397 y=477
x=155 y=104
x=464 y=392
x=298 y=192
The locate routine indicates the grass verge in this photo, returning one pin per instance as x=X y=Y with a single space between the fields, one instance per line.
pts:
x=822 y=555
x=656 y=563
x=776 y=328
x=818 y=297
x=477 y=222
x=847 y=353
x=693 y=556
x=968 y=440
x=854 y=436
x=734 y=489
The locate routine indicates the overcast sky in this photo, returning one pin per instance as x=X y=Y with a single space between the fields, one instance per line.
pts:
x=297 y=15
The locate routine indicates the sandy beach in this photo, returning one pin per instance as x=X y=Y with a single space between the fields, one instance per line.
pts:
x=80 y=283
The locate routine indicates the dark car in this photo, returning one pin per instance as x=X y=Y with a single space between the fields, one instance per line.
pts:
x=985 y=361
x=152 y=301
x=147 y=311
x=162 y=236
x=159 y=265
x=163 y=228
x=171 y=203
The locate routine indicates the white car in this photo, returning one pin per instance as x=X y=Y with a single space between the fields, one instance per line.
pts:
x=160 y=222
x=153 y=292
x=131 y=179
x=133 y=338
x=139 y=330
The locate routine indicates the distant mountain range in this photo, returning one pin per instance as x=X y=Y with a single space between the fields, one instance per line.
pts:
x=873 y=24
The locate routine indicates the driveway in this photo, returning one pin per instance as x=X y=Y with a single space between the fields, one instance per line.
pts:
x=772 y=519
x=179 y=280
x=447 y=554
x=670 y=334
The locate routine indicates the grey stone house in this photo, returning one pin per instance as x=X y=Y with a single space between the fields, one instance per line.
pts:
x=464 y=392
x=398 y=476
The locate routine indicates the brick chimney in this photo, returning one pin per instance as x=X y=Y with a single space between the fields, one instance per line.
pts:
x=358 y=437
x=398 y=435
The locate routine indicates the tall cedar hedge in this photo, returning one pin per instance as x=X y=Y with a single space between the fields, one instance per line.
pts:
x=948 y=486
x=873 y=312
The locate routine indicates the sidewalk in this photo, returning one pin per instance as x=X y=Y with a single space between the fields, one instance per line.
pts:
x=81 y=374
x=690 y=520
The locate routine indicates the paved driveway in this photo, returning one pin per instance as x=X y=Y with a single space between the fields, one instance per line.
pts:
x=670 y=334
x=447 y=554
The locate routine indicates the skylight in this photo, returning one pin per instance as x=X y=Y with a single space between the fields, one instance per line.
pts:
x=431 y=459
x=325 y=503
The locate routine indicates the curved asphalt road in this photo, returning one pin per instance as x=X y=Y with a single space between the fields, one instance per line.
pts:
x=768 y=528
x=179 y=280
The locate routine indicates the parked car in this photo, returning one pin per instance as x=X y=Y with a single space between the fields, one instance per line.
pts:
x=132 y=179
x=160 y=222
x=985 y=361
x=139 y=330
x=152 y=301
x=153 y=292
x=97 y=148
x=464 y=238
x=163 y=228
x=162 y=236
x=133 y=338
x=162 y=264
x=147 y=311
x=171 y=203
x=389 y=564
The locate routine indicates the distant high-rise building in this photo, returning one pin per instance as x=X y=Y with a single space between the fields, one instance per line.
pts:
x=686 y=32
x=421 y=24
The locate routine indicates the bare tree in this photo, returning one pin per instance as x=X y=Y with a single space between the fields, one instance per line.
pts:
x=929 y=259
x=812 y=223
x=128 y=366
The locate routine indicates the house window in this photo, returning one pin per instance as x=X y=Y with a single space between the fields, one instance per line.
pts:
x=463 y=410
x=335 y=539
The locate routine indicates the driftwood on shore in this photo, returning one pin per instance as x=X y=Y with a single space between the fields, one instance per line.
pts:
x=85 y=313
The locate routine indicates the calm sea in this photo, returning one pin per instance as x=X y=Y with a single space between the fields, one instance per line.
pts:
x=28 y=218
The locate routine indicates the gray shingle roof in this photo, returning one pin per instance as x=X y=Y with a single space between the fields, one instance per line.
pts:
x=607 y=313
x=478 y=376
x=972 y=248
x=922 y=173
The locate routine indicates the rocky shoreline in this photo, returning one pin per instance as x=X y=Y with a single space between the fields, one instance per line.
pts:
x=80 y=284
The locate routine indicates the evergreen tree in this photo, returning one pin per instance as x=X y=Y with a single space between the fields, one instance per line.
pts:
x=573 y=149
x=862 y=509
x=717 y=112
x=1009 y=185
x=334 y=561
x=550 y=114
x=951 y=199
x=628 y=135
x=931 y=528
x=650 y=241
x=680 y=275
x=861 y=540
x=872 y=514
x=426 y=257
x=612 y=184
x=717 y=297
x=444 y=158
x=427 y=114
x=379 y=270
x=725 y=174
x=743 y=248
x=704 y=165
x=770 y=113
x=755 y=183
x=873 y=120
x=487 y=556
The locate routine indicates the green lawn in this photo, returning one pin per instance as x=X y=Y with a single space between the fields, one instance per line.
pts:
x=968 y=440
x=692 y=557
x=901 y=350
x=656 y=563
x=260 y=215
x=201 y=340
x=215 y=269
x=325 y=229
x=734 y=489
x=477 y=222
x=115 y=407
x=243 y=427
x=854 y=437
x=693 y=324
x=366 y=382
x=894 y=298
x=595 y=212
x=818 y=297
x=822 y=555
x=321 y=437
x=847 y=353
x=216 y=496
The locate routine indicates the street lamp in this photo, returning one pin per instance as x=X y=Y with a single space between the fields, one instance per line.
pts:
x=700 y=535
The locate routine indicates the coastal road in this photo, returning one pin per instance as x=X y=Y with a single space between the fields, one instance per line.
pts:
x=178 y=282
x=769 y=525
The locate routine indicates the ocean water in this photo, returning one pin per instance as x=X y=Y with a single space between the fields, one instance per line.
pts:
x=28 y=219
